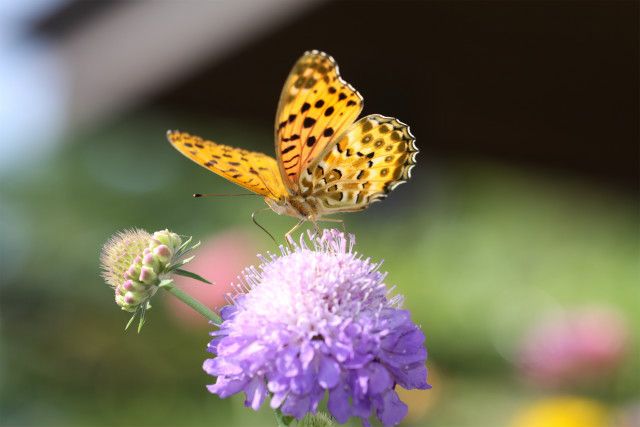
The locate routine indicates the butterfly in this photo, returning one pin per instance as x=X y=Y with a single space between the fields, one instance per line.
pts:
x=326 y=161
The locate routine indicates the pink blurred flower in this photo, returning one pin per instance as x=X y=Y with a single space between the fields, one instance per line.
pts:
x=220 y=259
x=574 y=347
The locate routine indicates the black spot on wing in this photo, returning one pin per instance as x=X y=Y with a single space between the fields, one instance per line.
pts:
x=310 y=141
x=289 y=148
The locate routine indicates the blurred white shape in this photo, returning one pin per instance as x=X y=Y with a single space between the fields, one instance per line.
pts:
x=16 y=15
x=32 y=104
x=110 y=61
x=130 y=51
x=32 y=101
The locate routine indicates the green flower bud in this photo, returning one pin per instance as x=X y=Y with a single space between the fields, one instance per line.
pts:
x=149 y=259
x=162 y=253
x=165 y=237
x=121 y=302
x=133 y=272
x=134 y=263
x=132 y=286
x=147 y=275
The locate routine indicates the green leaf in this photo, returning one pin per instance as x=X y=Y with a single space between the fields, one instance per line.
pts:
x=131 y=320
x=183 y=246
x=143 y=311
x=140 y=324
x=194 y=246
x=180 y=263
x=186 y=260
x=192 y=275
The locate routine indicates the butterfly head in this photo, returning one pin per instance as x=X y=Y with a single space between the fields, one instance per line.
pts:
x=297 y=207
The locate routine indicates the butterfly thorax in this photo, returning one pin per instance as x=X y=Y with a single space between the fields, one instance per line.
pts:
x=295 y=206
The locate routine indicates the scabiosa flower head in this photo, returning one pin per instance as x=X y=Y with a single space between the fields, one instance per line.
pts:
x=133 y=262
x=314 y=320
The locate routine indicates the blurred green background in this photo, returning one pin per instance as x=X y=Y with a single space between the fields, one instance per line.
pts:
x=523 y=203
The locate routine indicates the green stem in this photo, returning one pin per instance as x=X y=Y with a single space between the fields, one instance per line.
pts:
x=191 y=302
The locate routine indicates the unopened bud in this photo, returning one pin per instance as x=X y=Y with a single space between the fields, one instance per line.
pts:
x=149 y=260
x=131 y=298
x=147 y=275
x=163 y=253
x=165 y=237
x=133 y=272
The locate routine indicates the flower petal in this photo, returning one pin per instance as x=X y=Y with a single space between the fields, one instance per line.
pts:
x=379 y=378
x=390 y=409
x=338 y=404
x=221 y=366
x=296 y=406
x=277 y=399
x=255 y=392
x=225 y=387
x=329 y=373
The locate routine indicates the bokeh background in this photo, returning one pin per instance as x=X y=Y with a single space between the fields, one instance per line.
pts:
x=515 y=243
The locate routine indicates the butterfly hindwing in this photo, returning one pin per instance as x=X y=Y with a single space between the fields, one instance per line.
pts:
x=374 y=155
x=254 y=171
x=315 y=107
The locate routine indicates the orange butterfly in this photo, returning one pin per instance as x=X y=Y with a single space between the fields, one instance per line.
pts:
x=325 y=163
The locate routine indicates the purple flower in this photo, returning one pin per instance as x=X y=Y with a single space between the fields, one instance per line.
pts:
x=318 y=320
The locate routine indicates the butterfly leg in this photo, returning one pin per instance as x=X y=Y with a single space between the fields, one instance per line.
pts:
x=287 y=236
x=316 y=230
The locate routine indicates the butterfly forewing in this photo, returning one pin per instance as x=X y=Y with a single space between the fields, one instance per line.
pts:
x=315 y=107
x=254 y=171
x=375 y=155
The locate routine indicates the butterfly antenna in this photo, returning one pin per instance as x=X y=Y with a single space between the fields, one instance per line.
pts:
x=223 y=195
x=255 y=221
